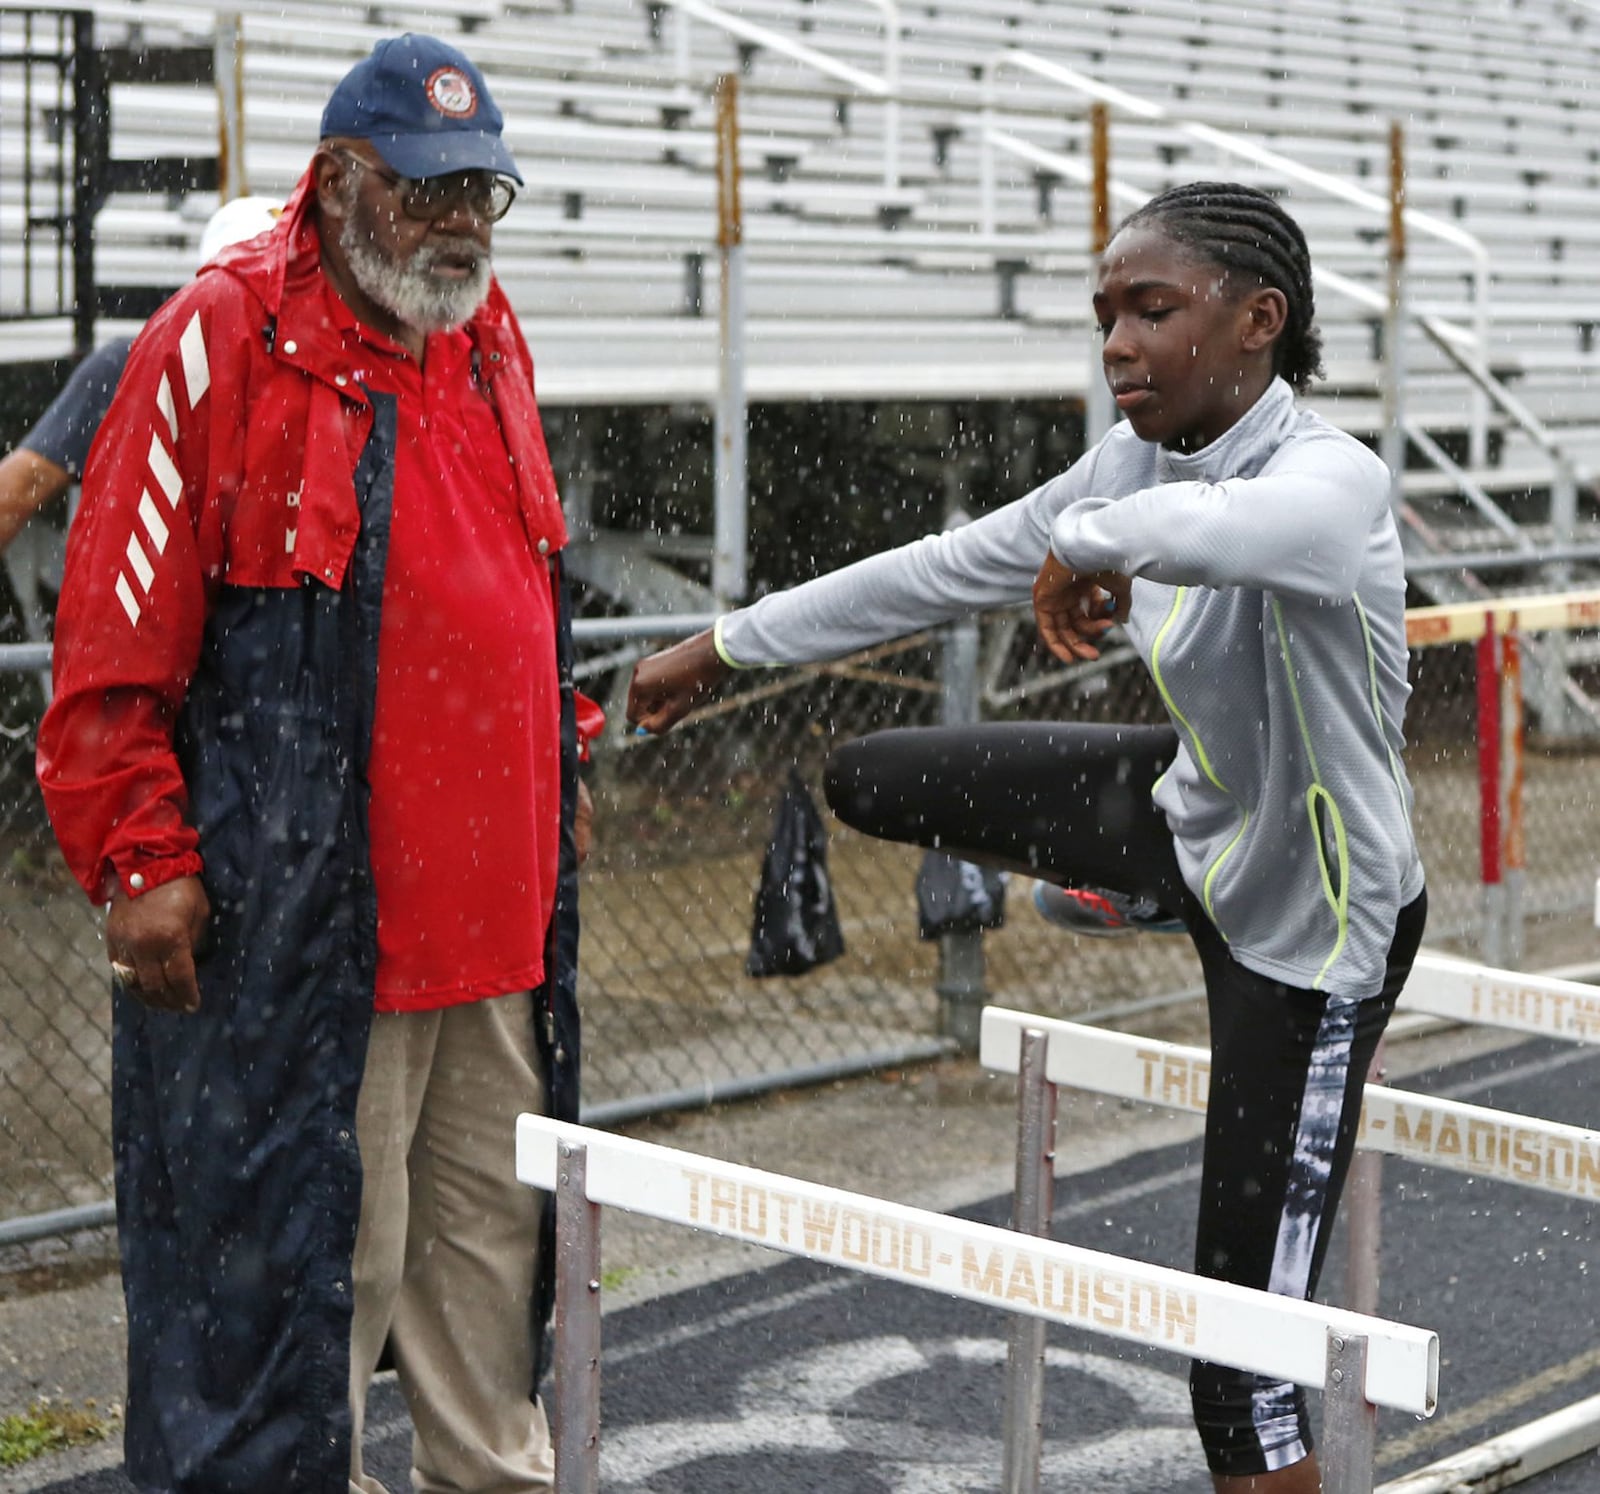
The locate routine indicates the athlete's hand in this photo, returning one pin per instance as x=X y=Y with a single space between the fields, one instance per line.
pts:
x=668 y=685
x=155 y=936
x=1073 y=609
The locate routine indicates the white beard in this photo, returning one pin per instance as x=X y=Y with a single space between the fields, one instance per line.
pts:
x=408 y=288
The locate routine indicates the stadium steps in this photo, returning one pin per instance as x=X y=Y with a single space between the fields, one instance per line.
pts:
x=609 y=255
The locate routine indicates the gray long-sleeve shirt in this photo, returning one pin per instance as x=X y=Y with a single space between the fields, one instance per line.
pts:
x=1268 y=606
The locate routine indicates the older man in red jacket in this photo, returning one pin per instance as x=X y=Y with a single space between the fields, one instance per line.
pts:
x=315 y=740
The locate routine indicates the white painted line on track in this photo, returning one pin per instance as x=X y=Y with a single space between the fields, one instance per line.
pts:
x=719 y=1322
x=1483 y=1412
x=839 y=1399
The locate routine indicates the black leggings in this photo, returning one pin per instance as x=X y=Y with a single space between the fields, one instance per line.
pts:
x=1072 y=804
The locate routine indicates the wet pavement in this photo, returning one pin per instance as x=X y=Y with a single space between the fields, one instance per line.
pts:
x=725 y=1366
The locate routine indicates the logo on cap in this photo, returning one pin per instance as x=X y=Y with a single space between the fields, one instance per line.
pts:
x=450 y=91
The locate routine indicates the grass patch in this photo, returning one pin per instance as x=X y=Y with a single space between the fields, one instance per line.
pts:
x=45 y=1428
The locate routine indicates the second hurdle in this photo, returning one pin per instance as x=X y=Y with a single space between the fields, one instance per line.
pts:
x=1525 y=1151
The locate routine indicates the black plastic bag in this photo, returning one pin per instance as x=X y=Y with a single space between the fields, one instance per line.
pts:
x=796 y=924
x=957 y=897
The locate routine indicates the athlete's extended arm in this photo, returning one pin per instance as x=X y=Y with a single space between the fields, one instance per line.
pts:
x=668 y=685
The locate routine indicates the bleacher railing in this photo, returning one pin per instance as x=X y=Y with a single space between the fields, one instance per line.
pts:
x=886 y=88
x=993 y=138
x=47 y=71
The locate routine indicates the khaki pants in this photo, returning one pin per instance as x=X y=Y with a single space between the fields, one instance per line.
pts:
x=444 y=1258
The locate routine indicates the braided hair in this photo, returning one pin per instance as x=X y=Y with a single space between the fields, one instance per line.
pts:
x=1249 y=236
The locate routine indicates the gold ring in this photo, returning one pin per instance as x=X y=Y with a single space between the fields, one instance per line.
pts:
x=124 y=974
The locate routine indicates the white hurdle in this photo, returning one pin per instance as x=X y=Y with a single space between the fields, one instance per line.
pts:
x=1546 y=1155
x=1458 y=990
x=1541 y=1005
x=1359 y=1362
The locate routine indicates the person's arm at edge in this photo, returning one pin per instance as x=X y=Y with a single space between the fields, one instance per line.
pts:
x=28 y=481
x=53 y=454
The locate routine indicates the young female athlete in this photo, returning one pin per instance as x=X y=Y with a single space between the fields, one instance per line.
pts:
x=1249 y=550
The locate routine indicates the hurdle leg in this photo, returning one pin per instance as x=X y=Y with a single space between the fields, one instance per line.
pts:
x=577 y=1328
x=1022 y=1430
x=1364 y=1213
x=1349 y=1419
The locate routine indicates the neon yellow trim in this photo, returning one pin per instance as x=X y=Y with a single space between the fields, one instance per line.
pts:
x=1216 y=866
x=1166 y=695
x=1200 y=754
x=1339 y=902
x=721 y=647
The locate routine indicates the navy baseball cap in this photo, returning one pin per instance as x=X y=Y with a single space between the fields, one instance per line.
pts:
x=424 y=107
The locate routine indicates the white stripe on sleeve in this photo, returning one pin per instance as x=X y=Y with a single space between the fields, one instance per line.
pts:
x=154 y=525
x=140 y=562
x=165 y=471
x=130 y=603
x=164 y=403
x=196 y=370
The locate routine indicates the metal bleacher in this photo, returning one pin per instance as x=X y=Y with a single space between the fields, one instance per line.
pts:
x=875 y=270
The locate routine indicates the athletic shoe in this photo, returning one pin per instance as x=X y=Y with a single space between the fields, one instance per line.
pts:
x=1101 y=913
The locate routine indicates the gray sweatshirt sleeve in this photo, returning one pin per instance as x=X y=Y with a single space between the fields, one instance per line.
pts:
x=990 y=562
x=1301 y=527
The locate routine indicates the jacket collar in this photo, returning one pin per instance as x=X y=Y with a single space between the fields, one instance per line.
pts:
x=1241 y=450
x=300 y=334
x=293 y=252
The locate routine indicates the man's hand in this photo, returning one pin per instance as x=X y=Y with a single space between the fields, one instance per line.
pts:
x=1073 y=609
x=670 y=684
x=156 y=934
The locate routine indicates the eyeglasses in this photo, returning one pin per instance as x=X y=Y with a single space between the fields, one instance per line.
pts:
x=429 y=198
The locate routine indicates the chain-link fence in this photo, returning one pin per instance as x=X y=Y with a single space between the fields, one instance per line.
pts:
x=682 y=821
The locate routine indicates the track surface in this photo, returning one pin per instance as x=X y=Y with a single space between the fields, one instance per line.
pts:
x=797 y=1378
